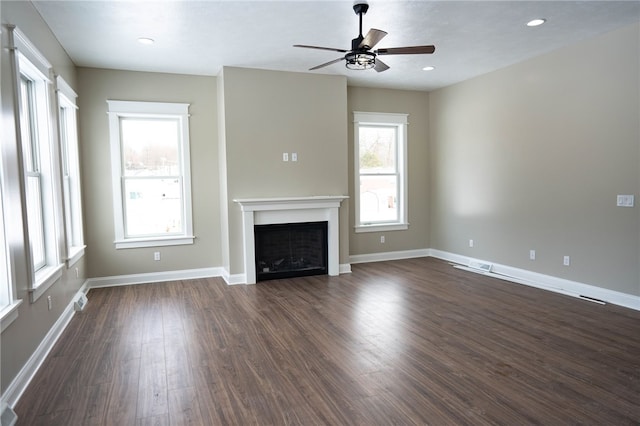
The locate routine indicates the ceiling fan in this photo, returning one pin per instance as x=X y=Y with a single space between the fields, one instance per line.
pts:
x=361 y=57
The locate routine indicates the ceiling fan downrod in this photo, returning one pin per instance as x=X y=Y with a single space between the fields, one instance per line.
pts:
x=360 y=9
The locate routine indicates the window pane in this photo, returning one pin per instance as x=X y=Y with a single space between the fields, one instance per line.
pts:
x=150 y=147
x=64 y=140
x=35 y=221
x=26 y=124
x=153 y=206
x=377 y=149
x=378 y=199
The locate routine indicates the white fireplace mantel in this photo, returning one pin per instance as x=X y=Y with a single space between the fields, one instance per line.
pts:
x=267 y=211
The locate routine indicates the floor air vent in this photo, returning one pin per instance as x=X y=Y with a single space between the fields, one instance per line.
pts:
x=80 y=303
x=481 y=266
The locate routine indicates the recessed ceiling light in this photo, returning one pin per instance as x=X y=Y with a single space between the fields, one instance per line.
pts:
x=536 y=22
x=428 y=68
x=145 y=40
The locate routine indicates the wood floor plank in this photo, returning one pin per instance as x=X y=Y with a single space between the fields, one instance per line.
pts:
x=404 y=342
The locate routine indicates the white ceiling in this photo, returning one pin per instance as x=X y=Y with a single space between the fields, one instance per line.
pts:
x=199 y=37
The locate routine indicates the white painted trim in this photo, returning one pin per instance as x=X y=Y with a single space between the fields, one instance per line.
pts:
x=154 y=277
x=8 y=417
x=345 y=268
x=266 y=211
x=233 y=279
x=548 y=282
x=45 y=279
x=163 y=110
x=390 y=255
x=16 y=388
x=9 y=314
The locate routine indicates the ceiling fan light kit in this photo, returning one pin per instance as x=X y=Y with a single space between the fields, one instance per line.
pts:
x=360 y=61
x=361 y=57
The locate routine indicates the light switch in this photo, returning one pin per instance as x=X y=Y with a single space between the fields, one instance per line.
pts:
x=285 y=156
x=294 y=156
x=625 y=201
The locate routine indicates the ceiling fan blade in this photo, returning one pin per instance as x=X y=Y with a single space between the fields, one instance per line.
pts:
x=325 y=64
x=320 y=48
x=372 y=38
x=380 y=66
x=409 y=50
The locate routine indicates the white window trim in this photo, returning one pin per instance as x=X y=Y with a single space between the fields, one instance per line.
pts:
x=8 y=312
x=399 y=120
x=119 y=109
x=28 y=57
x=74 y=236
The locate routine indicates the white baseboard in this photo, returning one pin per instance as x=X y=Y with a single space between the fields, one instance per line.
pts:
x=16 y=388
x=547 y=282
x=153 y=277
x=233 y=279
x=389 y=255
x=8 y=417
x=344 y=268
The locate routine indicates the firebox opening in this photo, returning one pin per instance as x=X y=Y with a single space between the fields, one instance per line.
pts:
x=290 y=250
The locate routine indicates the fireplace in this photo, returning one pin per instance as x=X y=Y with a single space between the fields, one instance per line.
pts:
x=288 y=250
x=288 y=210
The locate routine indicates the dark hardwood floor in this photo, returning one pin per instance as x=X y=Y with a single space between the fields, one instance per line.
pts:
x=403 y=342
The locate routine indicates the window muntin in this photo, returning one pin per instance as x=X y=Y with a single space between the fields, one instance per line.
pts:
x=151 y=173
x=380 y=148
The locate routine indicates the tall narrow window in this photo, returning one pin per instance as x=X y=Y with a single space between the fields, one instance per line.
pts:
x=31 y=155
x=70 y=172
x=151 y=173
x=6 y=294
x=39 y=149
x=380 y=171
x=8 y=305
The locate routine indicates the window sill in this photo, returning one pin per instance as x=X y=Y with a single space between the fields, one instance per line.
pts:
x=45 y=278
x=154 y=242
x=75 y=254
x=9 y=314
x=382 y=227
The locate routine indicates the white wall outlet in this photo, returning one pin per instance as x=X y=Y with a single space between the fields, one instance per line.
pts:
x=49 y=302
x=470 y=243
x=156 y=256
x=382 y=240
x=532 y=255
x=566 y=261
x=285 y=156
x=294 y=156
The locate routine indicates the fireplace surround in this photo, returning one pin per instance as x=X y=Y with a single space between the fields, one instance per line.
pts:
x=282 y=210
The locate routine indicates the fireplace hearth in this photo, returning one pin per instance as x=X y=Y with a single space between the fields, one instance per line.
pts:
x=288 y=250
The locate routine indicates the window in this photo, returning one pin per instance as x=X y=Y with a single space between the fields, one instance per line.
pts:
x=8 y=306
x=151 y=173
x=37 y=141
x=70 y=172
x=380 y=142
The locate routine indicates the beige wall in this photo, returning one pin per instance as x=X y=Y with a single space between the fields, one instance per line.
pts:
x=267 y=113
x=416 y=104
x=22 y=337
x=95 y=87
x=532 y=157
